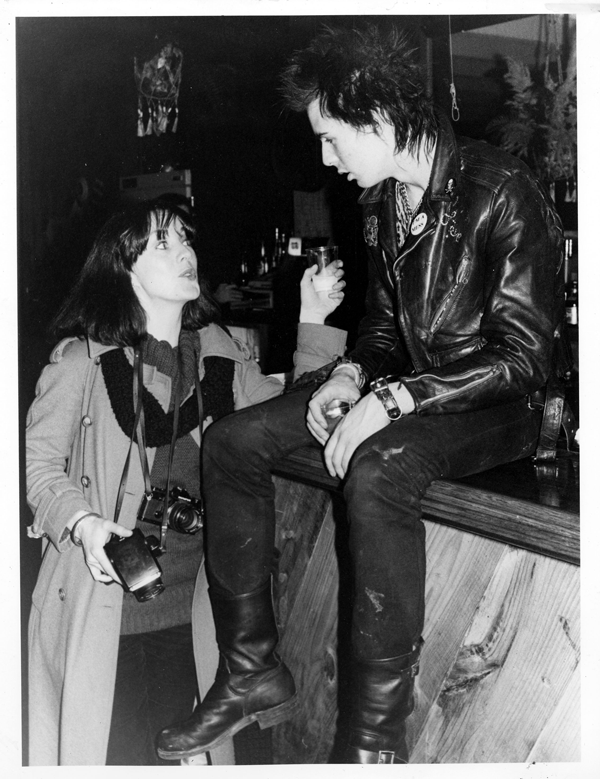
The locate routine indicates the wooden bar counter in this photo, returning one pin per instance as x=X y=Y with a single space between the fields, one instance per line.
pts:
x=499 y=678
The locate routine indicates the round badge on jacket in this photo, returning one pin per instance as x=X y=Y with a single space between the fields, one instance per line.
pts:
x=418 y=223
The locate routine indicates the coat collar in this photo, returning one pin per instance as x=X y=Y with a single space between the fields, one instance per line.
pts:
x=96 y=349
x=445 y=173
x=214 y=342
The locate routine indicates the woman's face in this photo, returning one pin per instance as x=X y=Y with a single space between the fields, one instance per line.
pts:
x=167 y=270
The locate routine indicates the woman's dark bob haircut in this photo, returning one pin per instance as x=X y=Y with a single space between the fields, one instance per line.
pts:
x=359 y=75
x=102 y=304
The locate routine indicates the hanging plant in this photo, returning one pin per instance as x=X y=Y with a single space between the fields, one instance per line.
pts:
x=540 y=124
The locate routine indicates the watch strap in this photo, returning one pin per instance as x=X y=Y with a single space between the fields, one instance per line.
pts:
x=381 y=389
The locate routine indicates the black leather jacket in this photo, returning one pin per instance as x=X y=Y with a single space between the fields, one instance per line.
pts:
x=468 y=313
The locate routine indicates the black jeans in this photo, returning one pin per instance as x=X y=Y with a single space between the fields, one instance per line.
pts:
x=155 y=687
x=388 y=476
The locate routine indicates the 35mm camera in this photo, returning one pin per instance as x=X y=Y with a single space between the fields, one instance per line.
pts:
x=184 y=513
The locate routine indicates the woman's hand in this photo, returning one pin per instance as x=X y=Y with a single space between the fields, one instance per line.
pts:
x=339 y=387
x=317 y=306
x=93 y=532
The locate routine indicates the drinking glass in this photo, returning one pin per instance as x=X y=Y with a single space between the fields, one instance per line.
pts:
x=335 y=410
x=323 y=256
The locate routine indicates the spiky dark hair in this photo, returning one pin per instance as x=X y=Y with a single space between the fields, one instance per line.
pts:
x=357 y=73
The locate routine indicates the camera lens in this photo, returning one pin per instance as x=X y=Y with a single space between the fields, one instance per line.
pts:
x=184 y=518
x=149 y=591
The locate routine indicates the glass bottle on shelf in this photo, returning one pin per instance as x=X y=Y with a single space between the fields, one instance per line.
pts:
x=282 y=248
x=568 y=259
x=244 y=276
x=263 y=263
x=276 y=248
x=572 y=303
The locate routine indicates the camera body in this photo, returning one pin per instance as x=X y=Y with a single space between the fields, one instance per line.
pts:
x=134 y=560
x=184 y=513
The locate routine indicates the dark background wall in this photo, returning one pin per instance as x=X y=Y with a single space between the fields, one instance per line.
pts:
x=77 y=123
x=77 y=120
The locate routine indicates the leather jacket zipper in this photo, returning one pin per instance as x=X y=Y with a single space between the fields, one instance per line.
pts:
x=387 y=268
x=444 y=309
x=491 y=372
x=413 y=356
x=403 y=254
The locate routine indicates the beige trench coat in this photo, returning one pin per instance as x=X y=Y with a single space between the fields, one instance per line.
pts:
x=75 y=456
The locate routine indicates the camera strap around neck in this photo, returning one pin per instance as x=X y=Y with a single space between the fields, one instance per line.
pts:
x=140 y=426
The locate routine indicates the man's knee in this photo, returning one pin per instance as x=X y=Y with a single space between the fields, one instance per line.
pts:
x=232 y=435
x=377 y=456
x=386 y=462
x=259 y=432
x=367 y=463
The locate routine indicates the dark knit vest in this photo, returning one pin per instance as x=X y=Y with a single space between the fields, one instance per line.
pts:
x=184 y=553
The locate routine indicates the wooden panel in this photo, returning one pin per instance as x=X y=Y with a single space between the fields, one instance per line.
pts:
x=500 y=664
x=309 y=643
x=459 y=569
x=299 y=515
x=555 y=738
x=512 y=670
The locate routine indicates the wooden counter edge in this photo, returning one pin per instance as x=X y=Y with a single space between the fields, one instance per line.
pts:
x=539 y=528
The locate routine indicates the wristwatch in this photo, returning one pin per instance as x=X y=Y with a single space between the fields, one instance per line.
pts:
x=381 y=389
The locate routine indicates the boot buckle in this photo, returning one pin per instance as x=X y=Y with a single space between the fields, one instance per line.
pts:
x=385 y=757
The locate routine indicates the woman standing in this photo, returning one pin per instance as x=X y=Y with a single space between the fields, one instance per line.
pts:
x=106 y=671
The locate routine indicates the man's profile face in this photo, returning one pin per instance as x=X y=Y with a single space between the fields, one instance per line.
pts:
x=364 y=155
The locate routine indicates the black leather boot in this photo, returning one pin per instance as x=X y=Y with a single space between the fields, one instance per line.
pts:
x=252 y=683
x=383 y=700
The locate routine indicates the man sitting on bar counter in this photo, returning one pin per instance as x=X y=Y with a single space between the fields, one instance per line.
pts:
x=460 y=347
